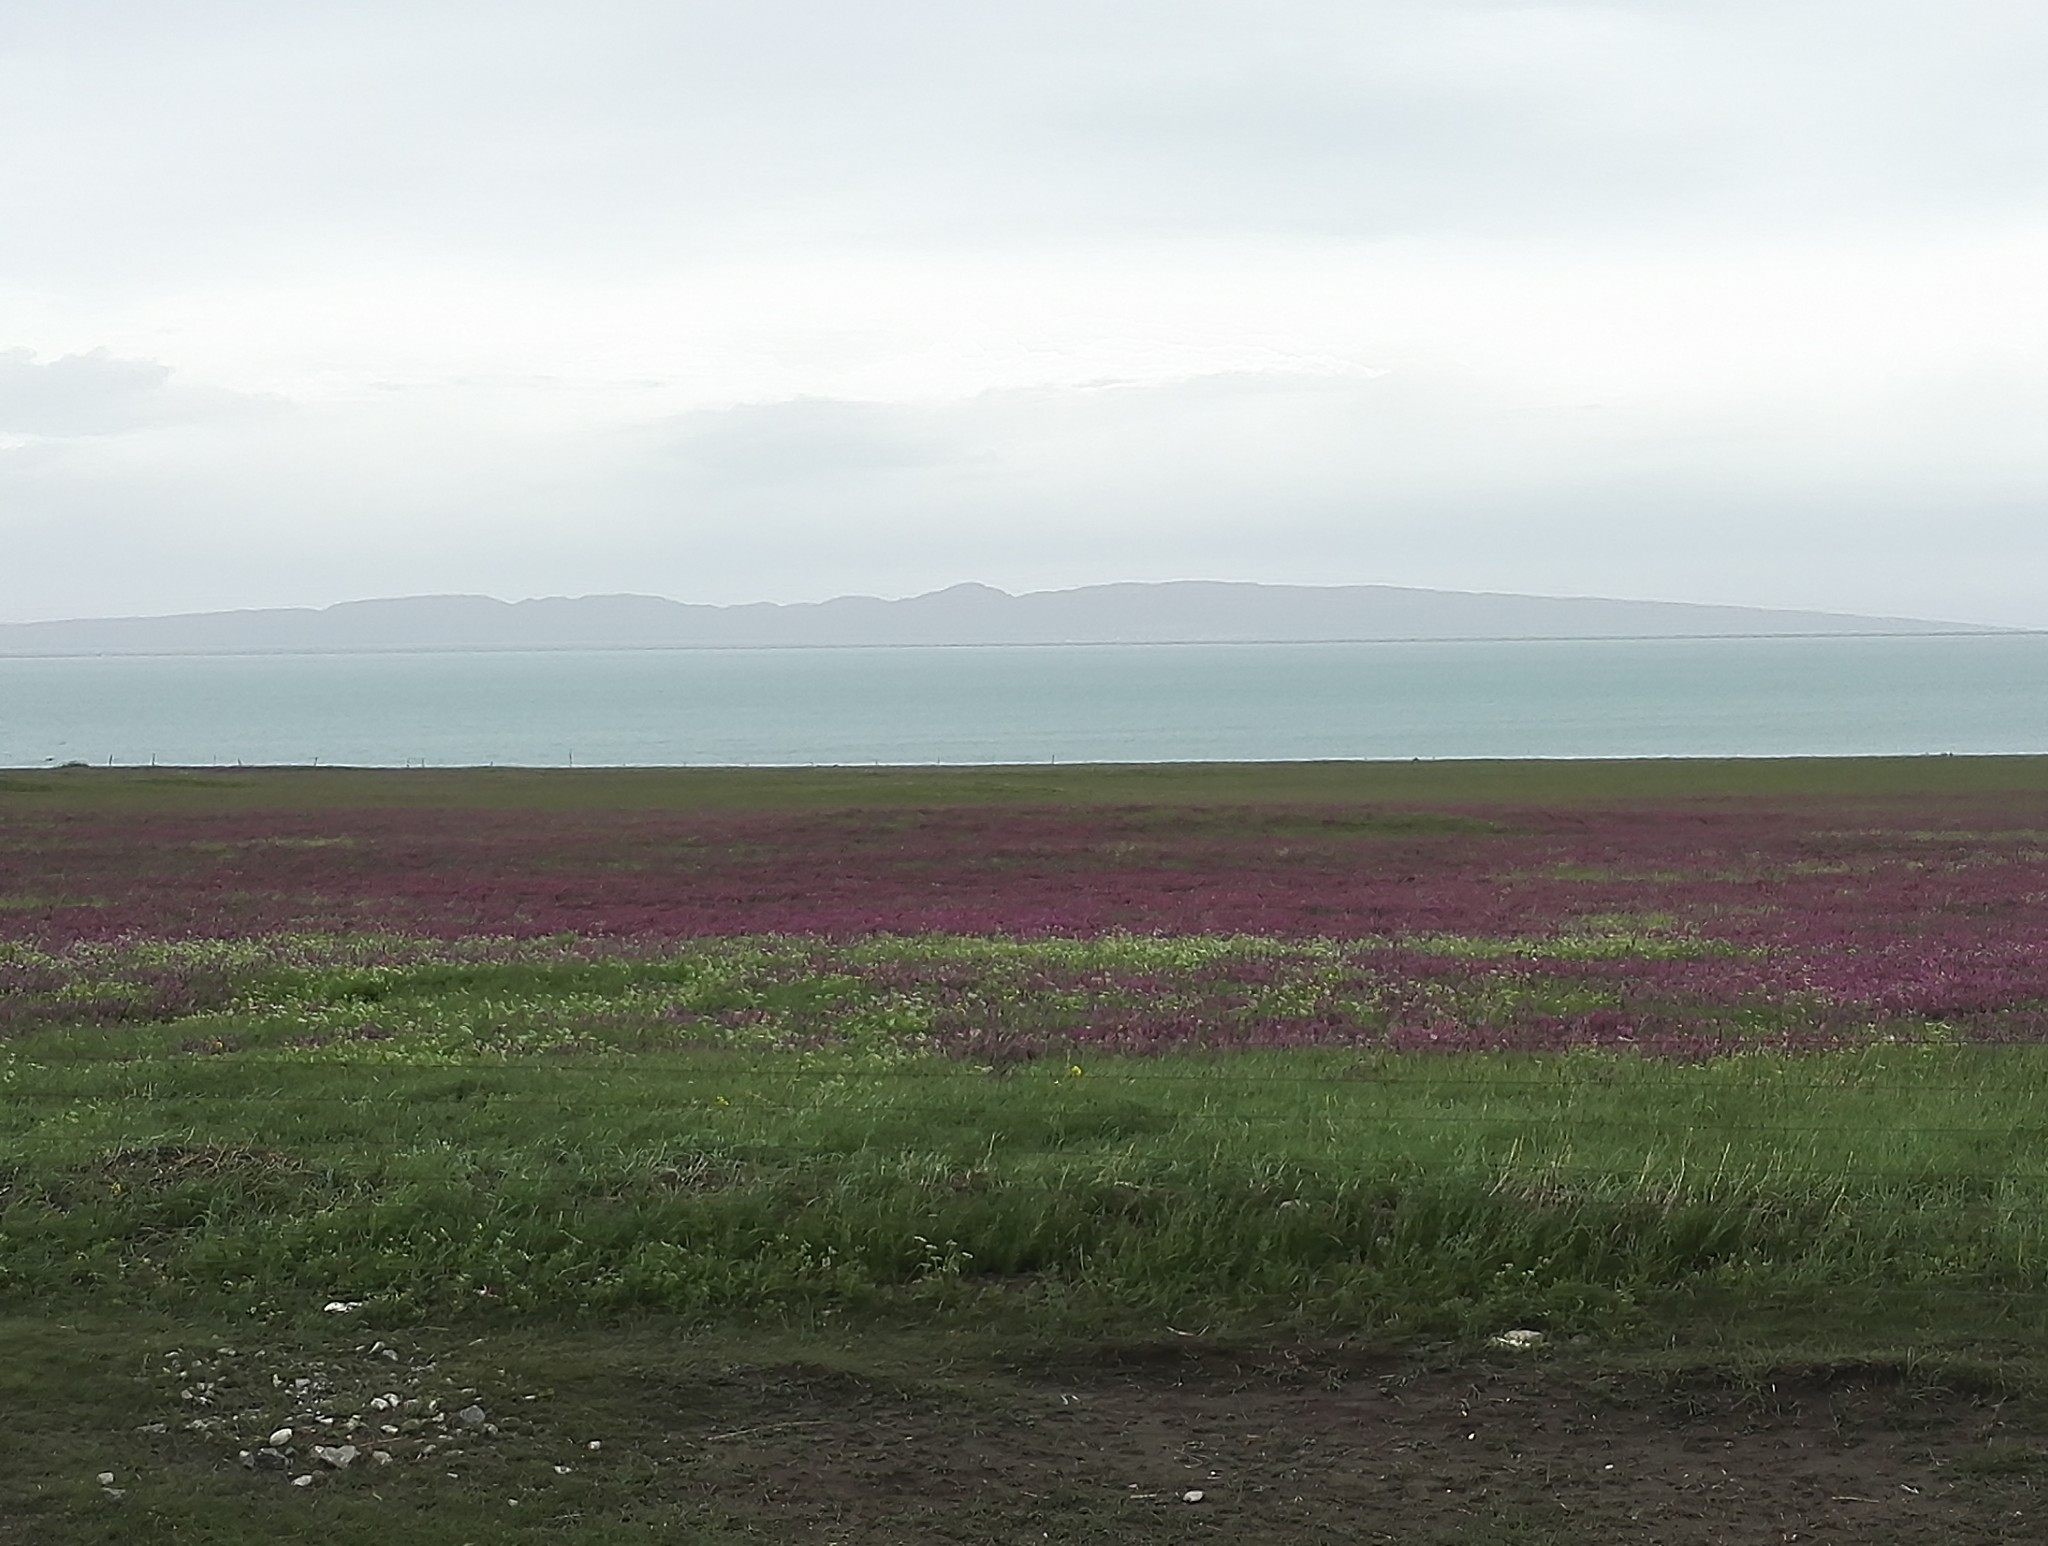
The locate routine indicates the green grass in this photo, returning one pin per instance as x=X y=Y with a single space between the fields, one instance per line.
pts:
x=1589 y=1193
x=1477 y=782
x=717 y=1260
x=767 y=1128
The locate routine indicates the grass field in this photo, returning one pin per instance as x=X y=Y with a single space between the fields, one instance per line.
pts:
x=992 y=1155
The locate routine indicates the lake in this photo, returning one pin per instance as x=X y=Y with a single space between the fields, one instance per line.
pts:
x=1022 y=704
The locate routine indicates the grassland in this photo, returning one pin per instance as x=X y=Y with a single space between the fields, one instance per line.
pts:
x=992 y=1155
x=1477 y=781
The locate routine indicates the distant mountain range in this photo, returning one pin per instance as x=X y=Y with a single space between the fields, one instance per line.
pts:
x=1185 y=611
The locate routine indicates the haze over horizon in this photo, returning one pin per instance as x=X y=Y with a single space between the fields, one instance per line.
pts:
x=1717 y=303
x=1178 y=612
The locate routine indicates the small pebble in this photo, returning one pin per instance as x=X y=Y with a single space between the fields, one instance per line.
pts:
x=1192 y=1495
x=595 y=1444
x=304 y=1480
x=106 y=1478
x=280 y=1438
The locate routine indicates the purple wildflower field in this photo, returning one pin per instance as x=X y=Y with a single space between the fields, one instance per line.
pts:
x=1670 y=930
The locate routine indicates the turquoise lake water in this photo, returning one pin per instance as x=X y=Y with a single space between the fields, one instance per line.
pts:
x=1081 y=703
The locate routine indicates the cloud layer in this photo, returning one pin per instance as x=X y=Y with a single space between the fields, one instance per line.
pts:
x=1704 y=301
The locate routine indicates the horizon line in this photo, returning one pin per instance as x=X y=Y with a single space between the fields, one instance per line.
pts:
x=1987 y=631
x=1955 y=626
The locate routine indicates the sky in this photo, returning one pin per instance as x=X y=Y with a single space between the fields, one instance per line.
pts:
x=1734 y=301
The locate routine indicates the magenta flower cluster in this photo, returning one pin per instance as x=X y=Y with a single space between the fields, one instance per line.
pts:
x=1656 y=927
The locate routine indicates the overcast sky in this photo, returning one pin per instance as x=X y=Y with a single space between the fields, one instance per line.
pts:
x=1713 y=300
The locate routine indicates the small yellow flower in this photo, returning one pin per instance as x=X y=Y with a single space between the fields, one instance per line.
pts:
x=1074 y=1072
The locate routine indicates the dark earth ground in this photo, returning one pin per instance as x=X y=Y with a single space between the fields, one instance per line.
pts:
x=869 y=1442
x=1361 y=1453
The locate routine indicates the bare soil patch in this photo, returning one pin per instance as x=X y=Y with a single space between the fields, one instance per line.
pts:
x=1302 y=1447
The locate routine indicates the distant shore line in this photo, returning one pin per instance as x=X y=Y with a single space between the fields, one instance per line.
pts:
x=993 y=644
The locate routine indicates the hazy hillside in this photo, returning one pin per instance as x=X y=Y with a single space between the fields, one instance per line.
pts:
x=1182 y=611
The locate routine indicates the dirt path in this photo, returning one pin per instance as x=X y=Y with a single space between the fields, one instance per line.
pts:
x=669 y=1431
x=1315 y=1452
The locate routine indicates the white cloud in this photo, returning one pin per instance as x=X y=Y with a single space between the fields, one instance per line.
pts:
x=97 y=393
x=1720 y=301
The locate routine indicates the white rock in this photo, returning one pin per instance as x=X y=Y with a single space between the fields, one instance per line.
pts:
x=106 y=1478
x=340 y=1456
x=305 y=1479
x=1521 y=1340
x=561 y=1470
x=381 y=1456
x=280 y=1438
x=471 y=1416
x=595 y=1444
x=1193 y=1495
x=343 y=1306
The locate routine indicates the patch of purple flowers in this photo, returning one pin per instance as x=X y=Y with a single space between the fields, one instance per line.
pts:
x=1814 y=923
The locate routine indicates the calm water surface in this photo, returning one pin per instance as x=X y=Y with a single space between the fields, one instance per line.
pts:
x=1121 y=703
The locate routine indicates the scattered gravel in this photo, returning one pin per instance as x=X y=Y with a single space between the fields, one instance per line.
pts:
x=324 y=1416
